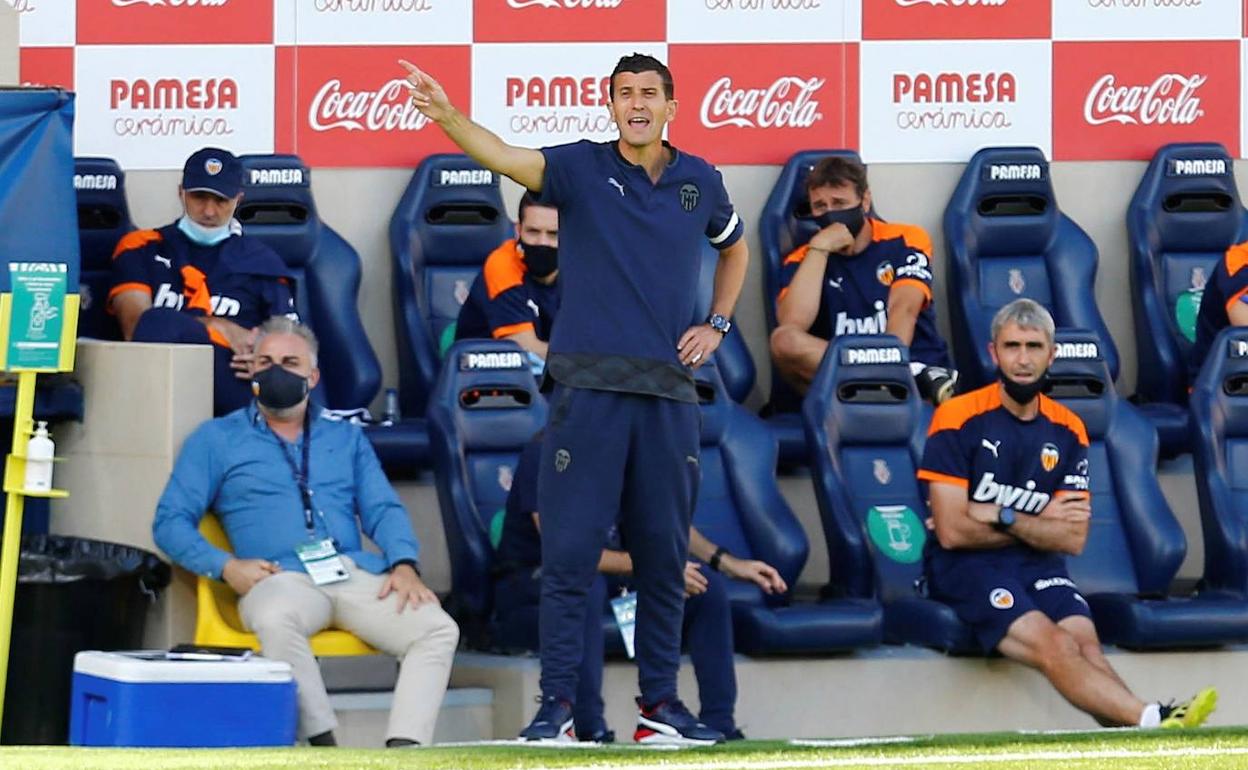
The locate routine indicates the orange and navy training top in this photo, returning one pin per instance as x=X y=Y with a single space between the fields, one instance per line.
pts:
x=854 y=297
x=240 y=279
x=504 y=300
x=975 y=443
x=1227 y=285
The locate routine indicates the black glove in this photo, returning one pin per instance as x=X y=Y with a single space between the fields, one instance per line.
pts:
x=936 y=384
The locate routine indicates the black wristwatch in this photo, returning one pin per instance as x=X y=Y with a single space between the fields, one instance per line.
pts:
x=720 y=553
x=720 y=324
x=1005 y=519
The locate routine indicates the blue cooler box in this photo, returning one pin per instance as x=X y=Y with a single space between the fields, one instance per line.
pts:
x=140 y=699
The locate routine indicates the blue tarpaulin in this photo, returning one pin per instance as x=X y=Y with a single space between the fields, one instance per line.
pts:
x=38 y=209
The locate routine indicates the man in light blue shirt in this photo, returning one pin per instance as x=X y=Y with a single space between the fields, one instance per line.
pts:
x=293 y=487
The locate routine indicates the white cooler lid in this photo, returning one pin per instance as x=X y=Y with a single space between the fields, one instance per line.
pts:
x=129 y=667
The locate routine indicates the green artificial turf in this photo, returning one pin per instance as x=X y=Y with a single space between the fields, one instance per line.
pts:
x=1171 y=750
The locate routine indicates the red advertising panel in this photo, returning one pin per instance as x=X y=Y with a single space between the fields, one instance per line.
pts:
x=956 y=19
x=48 y=67
x=1121 y=101
x=175 y=21
x=761 y=103
x=546 y=21
x=352 y=106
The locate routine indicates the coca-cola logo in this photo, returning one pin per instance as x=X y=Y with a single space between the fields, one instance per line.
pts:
x=372 y=6
x=170 y=3
x=1169 y=100
x=166 y=98
x=385 y=109
x=786 y=103
x=521 y=4
x=950 y=3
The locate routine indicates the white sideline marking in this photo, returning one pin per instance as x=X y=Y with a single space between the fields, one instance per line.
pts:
x=851 y=743
x=940 y=759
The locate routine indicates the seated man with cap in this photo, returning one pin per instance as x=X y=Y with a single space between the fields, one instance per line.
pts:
x=200 y=280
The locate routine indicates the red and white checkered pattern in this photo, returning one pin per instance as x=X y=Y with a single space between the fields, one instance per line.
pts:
x=917 y=80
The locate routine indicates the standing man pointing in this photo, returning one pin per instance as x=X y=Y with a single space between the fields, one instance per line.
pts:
x=624 y=424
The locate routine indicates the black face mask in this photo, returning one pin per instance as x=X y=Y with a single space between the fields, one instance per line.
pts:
x=1023 y=393
x=277 y=388
x=853 y=219
x=540 y=260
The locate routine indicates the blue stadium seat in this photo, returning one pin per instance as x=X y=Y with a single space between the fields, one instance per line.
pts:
x=782 y=227
x=732 y=358
x=1185 y=213
x=484 y=408
x=448 y=221
x=740 y=508
x=1219 y=408
x=103 y=218
x=1007 y=239
x=1135 y=545
x=278 y=209
x=867 y=425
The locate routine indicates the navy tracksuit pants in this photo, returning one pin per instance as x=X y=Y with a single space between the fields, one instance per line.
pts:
x=707 y=632
x=607 y=454
x=163 y=324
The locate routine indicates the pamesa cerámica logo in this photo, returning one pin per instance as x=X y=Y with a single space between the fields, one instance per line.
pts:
x=173 y=106
x=954 y=100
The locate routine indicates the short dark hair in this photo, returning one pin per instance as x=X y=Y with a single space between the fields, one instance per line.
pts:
x=527 y=200
x=642 y=62
x=834 y=171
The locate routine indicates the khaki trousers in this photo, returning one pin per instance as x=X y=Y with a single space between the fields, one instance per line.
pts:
x=285 y=609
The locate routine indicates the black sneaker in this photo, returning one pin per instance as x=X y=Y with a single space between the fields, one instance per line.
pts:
x=601 y=735
x=552 y=724
x=671 y=722
x=734 y=734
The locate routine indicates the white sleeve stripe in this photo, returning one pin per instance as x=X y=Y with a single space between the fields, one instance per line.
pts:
x=728 y=230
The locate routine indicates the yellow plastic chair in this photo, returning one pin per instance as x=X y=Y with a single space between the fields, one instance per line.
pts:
x=217 y=623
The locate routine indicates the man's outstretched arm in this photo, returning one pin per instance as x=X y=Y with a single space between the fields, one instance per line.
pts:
x=524 y=165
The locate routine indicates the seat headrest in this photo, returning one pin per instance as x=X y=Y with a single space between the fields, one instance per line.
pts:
x=865 y=387
x=1188 y=193
x=1079 y=378
x=100 y=182
x=1225 y=371
x=1007 y=195
x=103 y=214
x=277 y=179
x=455 y=207
x=488 y=387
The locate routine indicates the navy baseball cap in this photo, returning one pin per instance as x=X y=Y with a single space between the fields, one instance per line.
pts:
x=213 y=170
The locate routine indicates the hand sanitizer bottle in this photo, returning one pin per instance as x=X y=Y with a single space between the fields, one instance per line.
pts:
x=39 y=451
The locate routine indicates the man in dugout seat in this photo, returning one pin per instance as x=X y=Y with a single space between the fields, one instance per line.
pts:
x=1007 y=475
x=296 y=489
x=857 y=275
x=199 y=280
x=516 y=295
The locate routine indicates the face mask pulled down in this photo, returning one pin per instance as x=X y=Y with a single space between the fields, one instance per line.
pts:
x=1023 y=392
x=200 y=235
x=276 y=388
